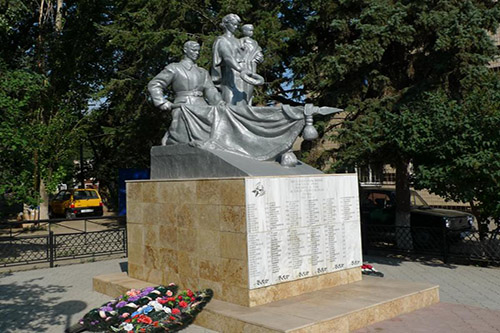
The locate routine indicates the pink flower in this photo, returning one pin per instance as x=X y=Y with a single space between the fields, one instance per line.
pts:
x=169 y=293
x=133 y=292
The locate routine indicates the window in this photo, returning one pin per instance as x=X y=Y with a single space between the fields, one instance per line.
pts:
x=416 y=200
x=83 y=195
x=60 y=195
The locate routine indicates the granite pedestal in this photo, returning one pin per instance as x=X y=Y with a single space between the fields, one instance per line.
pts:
x=194 y=232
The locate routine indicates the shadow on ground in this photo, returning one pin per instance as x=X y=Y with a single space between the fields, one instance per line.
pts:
x=393 y=260
x=32 y=307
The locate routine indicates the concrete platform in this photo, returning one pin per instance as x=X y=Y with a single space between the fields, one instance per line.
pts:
x=182 y=161
x=340 y=309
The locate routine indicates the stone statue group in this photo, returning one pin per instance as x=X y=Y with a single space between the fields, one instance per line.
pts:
x=214 y=111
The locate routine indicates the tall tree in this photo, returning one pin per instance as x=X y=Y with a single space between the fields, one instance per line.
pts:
x=378 y=58
x=49 y=52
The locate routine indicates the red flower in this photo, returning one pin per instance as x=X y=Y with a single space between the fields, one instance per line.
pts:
x=155 y=324
x=193 y=299
x=162 y=301
x=179 y=297
x=190 y=293
x=172 y=318
x=128 y=320
x=171 y=299
x=183 y=304
x=175 y=311
x=144 y=319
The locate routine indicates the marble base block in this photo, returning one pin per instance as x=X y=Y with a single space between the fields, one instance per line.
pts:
x=196 y=233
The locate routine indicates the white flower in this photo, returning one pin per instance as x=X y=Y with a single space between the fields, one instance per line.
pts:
x=131 y=305
x=128 y=327
x=167 y=310
x=102 y=314
x=157 y=306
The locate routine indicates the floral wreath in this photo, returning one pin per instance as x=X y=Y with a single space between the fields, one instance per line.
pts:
x=152 y=309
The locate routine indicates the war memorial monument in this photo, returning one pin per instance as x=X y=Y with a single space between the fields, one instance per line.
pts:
x=229 y=207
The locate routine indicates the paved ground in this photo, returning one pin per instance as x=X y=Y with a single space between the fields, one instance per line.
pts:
x=459 y=284
x=470 y=298
x=49 y=300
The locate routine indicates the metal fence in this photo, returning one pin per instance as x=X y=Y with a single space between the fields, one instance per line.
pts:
x=19 y=248
x=436 y=242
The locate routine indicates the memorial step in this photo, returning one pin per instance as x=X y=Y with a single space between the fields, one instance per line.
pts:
x=340 y=309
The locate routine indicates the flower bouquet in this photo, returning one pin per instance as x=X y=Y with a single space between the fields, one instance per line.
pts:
x=152 y=309
x=369 y=270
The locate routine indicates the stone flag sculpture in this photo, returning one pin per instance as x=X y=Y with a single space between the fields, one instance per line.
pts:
x=214 y=111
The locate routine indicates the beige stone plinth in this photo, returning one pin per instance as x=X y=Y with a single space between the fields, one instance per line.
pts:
x=193 y=232
x=340 y=309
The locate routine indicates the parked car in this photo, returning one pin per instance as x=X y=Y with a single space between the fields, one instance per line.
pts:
x=76 y=202
x=378 y=209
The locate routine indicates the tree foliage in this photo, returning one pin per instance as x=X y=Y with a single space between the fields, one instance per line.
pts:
x=406 y=71
x=382 y=60
x=48 y=75
x=460 y=154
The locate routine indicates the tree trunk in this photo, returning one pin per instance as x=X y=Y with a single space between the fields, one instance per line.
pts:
x=403 y=233
x=59 y=18
x=44 y=201
x=482 y=222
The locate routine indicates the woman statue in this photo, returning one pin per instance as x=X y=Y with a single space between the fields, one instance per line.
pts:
x=227 y=63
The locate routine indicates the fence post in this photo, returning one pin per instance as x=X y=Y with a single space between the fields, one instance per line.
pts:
x=51 y=249
x=125 y=249
x=445 y=245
